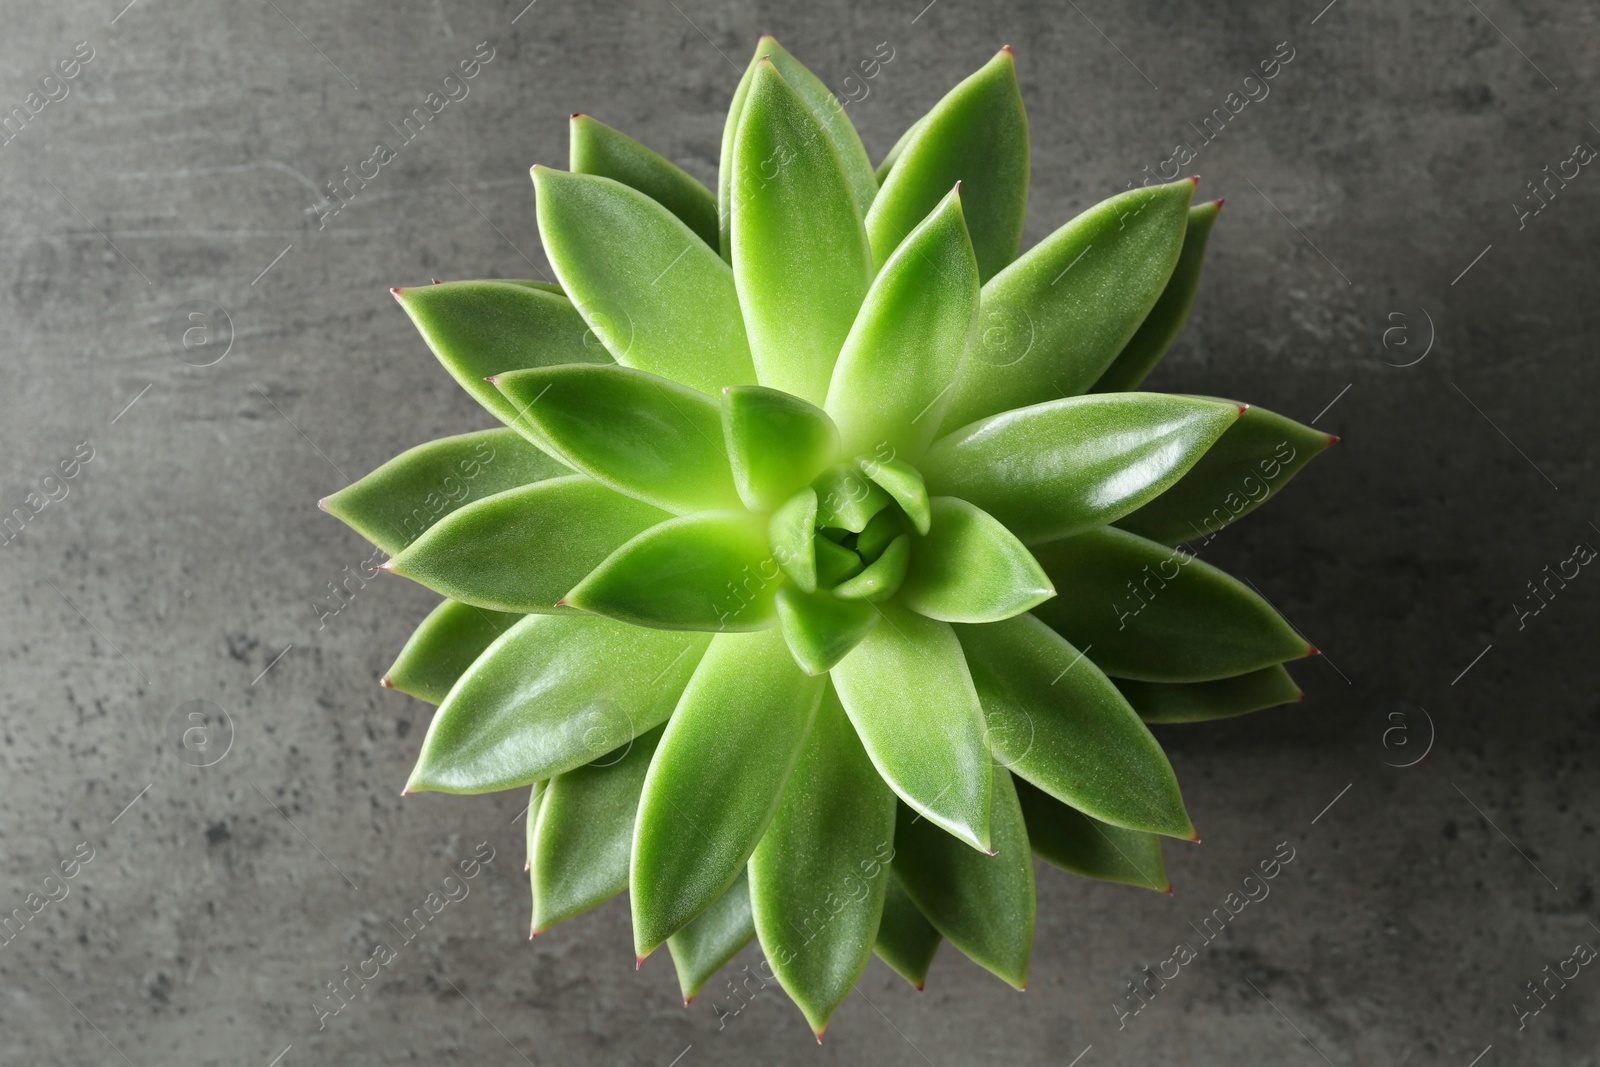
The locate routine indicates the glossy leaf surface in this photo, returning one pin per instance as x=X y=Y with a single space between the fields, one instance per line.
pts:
x=820 y=628
x=776 y=443
x=906 y=941
x=553 y=693
x=1071 y=840
x=1219 y=699
x=599 y=149
x=904 y=483
x=881 y=578
x=1059 y=722
x=1055 y=469
x=969 y=568
x=716 y=779
x=449 y=640
x=700 y=949
x=846 y=498
x=790 y=533
x=1158 y=614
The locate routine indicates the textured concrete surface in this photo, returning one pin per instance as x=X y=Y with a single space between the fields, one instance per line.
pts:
x=1372 y=200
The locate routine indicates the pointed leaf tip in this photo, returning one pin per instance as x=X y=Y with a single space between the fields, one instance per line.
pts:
x=384 y=681
x=1195 y=178
x=323 y=504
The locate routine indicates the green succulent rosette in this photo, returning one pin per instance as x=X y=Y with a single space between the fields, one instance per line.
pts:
x=823 y=568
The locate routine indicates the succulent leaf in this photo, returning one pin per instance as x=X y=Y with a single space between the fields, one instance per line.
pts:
x=1158 y=614
x=1247 y=466
x=905 y=484
x=1219 y=699
x=551 y=694
x=970 y=568
x=520 y=550
x=598 y=149
x=800 y=255
x=907 y=344
x=1160 y=328
x=700 y=949
x=1069 y=839
x=978 y=135
x=820 y=628
x=846 y=498
x=881 y=578
x=481 y=328
x=716 y=779
x=834 y=564
x=395 y=504
x=790 y=532
x=1053 y=321
x=710 y=571
x=927 y=740
x=1055 y=469
x=984 y=904
x=584 y=834
x=449 y=641
x=649 y=288
x=818 y=877
x=1057 y=721
x=638 y=433
x=776 y=443
x=906 y=941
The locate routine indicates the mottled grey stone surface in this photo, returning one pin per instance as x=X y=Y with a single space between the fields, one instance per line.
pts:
x=1374 y=189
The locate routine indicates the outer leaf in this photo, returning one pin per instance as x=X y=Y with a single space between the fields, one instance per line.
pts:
x=776 y=443
x=638 y=433
x=881 y=578
x=829 y=112
x=906 y=939
x=1254 y=459
x=585 y=832
x=520 y=550
x=1220 y=699
x=645 y=283
x=847 y=499
x=1158 y=614
x=893 y=156
x=482 y=328
x=983 y=904
x=700 y=949
x=969 y=568
x=820 y=628
x=1054 y=469
x=449 y=640
x=392 y=506
x=1055 y=319
x=1160 y=328
x=717 y=779
x=800 y=256
x=1074 y=842
x=906 y=347
x=710 y=571
x=818 y=877
x=551 y=694
x=927 y=740
x=903 y=482
x=978 y=134
x=1057 y=721
x=790 y=532
x=599 y=149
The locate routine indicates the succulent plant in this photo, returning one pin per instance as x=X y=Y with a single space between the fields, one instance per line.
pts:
x=824 y=567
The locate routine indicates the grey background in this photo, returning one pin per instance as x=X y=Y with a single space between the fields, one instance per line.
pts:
x=188 y=554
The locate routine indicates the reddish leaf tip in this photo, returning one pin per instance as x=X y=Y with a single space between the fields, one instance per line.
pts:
x=384 y=681
x=1333 y=439
x=395 y=292
x=1242 y=408
x=1195 y=178
x=493 y=379
x=1313 y=650
x=562 y=603
x=437 y=281
x=387 y=566
x=1219 y=201
x=1007 y=50
x=1023 y=988
x=1301 y=695
x=920 y=985
x=576 y=115
x=638 y=962
x=532 y=933
x=819 y=1035
x=1196 y=837
x=688 y=1000
x=323 y=504
x=1168 y=890
x=407 y=791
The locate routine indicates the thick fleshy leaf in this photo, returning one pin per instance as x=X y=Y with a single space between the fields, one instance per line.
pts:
x=790 y=533
x=800 y=256
x=969 y=568
x=905 y=349
x=395 y=504
x=1057 y=721
x=449 y=640
x=776 y=443
x=820 y=628
x=650 y=289
x=639 y=433
x=829 y=113
x=530 y=818
x=482 y=328
x=888 y=524
x=927 y=739
x=977 y=135
x=599 y=149
x=1071 y=840
x=818 y=877
x=1219 y=699
x=553 y=693
x=710 y=571
x=1254 y=459
x=893 y=155
x=700 y=949
x=1160 y=328
x=881 y=578
x=584 y=834
x=906 y=939
x=983 y=904
x=1054 y=469
x=1053 y=321
x=716 y=779
x=520 y=550
x=834 y=562
x=1157 y=614
x=847 y=499
x=903 y=482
